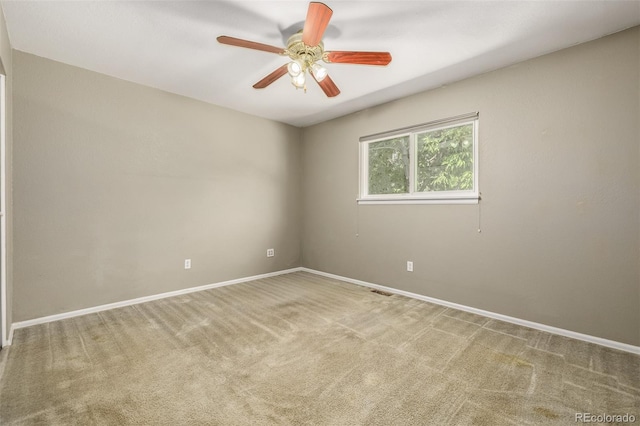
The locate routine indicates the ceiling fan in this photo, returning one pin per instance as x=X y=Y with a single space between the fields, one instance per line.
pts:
x=305 y=48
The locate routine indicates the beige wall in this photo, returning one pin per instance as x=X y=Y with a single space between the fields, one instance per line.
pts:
x=5 y=57
x=560 y=183
x=116 y=184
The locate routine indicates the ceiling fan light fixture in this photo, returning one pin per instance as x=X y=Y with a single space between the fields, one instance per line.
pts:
x=319 y=72
x=294 y=68
x=305 y=48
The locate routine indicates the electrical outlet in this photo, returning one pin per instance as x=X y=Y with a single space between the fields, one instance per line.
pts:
x=187 y=264
x=271 y=252
x=409 y=266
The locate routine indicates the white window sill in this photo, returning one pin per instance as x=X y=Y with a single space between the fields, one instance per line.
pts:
x=416 y=200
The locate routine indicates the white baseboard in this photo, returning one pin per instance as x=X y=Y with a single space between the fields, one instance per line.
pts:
x=9 y=338
x=79 y=312
x=542 y=327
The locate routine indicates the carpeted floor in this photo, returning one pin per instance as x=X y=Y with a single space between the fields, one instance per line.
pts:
x=303 y=349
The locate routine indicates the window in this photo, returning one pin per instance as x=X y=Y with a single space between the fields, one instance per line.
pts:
x=435 y=162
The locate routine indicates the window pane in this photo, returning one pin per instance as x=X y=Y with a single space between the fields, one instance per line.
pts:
x=389 y=166
x=445 y=159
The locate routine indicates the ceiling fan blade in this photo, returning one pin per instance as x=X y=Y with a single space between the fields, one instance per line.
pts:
x=318 y=16
x=232 y=41
x=328 y=86
x=363 y=58
x=271 y=77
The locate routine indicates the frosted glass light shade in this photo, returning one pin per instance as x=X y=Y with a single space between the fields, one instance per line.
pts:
x=298 y=81
x=319 y=72
x=294 y=68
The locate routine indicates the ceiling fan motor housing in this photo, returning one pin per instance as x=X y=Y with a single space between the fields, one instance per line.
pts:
x=306 y=55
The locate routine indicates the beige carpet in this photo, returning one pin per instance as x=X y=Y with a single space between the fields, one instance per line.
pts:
x=303 y=349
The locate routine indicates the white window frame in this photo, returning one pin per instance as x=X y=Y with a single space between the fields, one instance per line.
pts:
x=412 y=197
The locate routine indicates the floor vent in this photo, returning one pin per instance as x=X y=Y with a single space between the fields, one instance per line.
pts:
x=384 y=293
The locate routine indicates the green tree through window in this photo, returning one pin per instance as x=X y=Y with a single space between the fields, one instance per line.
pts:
x=389 y=166
x=435 y=162
x=445 y=159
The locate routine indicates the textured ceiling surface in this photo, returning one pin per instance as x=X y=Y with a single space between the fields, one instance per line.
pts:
x=171 y=45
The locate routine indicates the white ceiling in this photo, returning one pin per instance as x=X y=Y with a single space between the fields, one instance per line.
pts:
x=171 y=45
